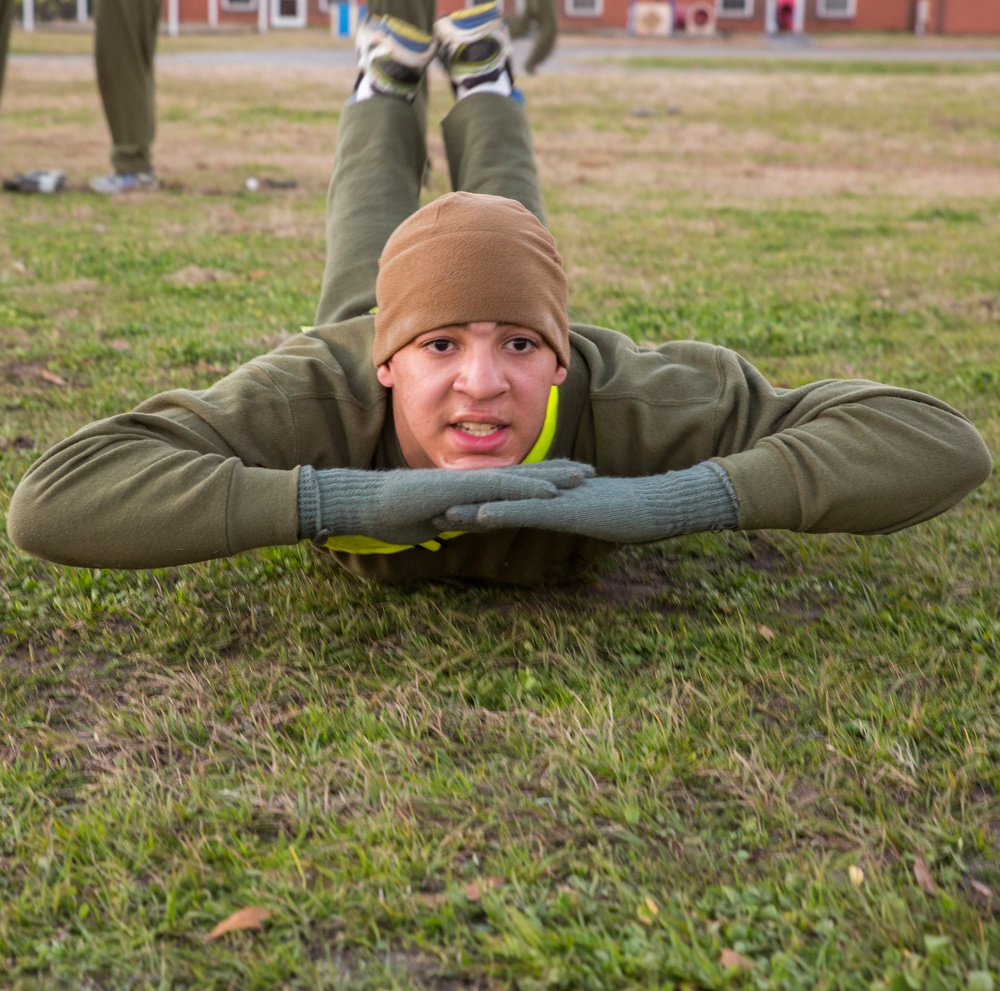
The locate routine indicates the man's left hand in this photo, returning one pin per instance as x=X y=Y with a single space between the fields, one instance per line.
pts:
x=620 y=510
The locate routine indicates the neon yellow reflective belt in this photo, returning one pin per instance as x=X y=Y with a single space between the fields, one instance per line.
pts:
x=369 y=545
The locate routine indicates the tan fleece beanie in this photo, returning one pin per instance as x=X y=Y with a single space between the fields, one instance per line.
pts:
x=469 y=257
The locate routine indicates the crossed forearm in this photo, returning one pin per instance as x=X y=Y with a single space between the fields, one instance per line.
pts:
x=409 y=507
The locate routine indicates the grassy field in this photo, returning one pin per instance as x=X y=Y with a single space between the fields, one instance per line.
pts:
x=731 y=761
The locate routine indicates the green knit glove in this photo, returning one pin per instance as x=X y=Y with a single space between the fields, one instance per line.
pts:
x=399 y=506
x=621 y=510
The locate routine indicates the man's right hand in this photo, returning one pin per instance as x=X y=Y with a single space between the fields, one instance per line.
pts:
x=399 y=506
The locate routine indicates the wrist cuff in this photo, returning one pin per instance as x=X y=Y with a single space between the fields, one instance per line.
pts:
x=309 y=503
x=702 y=498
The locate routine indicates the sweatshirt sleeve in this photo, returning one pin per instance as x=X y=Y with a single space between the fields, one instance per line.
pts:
x=188 y=476
x=841 y=456
x=185 y=476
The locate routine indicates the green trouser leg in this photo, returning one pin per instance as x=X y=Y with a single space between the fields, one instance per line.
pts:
x=488 y=142
x=519 y=25
x=381 y=150
x=380 y=160
x=6 y=19
x=124 y=46
x=419 y=13
x=376 y=182
x=544 y=13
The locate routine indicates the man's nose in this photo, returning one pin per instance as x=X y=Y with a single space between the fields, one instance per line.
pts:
x=481 y=375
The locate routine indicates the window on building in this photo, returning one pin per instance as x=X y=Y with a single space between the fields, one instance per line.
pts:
x=836 y=8
x=242 y=5
x=584 y=8
x=734 y=8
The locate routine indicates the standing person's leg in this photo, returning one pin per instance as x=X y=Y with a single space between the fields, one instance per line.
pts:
x=124 y=49
x=544 y=12
x=6 y=19
x=518 y=21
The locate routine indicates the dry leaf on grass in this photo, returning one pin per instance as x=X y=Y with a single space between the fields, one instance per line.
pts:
x=475 y=890
x=246 y=918
x=856 y=874
x=209 y=368
x=730 y=958
x=433 y=899
x=766 y=632
x=18 y=370
x=647 y=911
x=981 y=889
x=923 y=875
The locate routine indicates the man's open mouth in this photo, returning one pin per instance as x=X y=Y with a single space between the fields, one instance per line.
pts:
x=478 y=429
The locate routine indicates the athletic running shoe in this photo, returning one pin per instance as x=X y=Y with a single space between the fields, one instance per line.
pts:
x=475 y=46
x=392 y=56
x=113 y=184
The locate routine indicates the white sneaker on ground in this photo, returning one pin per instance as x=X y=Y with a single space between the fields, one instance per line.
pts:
x=114 y=183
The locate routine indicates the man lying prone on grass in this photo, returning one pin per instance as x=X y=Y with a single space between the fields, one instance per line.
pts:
x=465 y=429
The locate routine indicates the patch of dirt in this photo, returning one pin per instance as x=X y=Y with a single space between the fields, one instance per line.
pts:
x=18 y=444
x=76 y=287
x=192 y=275
x=705 y=141
x=18 y=371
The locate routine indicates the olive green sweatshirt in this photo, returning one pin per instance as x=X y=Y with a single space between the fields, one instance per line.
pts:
x=188 y=476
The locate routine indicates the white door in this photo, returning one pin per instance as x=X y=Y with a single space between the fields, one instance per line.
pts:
x=288 y=13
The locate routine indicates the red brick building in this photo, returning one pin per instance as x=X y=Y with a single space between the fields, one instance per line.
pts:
x=954 y=17
x=971 y=17
x=252 y=13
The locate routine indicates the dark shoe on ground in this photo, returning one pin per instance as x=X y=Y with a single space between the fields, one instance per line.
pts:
x=36 y=181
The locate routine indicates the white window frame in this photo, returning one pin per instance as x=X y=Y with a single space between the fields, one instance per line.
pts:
x=241 y=6
x=823 y=10
x=298 y=20
x=324 y=6
x=571 y=11
x=747 y=10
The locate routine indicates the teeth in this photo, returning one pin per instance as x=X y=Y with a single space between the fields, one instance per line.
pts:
x=478 y=429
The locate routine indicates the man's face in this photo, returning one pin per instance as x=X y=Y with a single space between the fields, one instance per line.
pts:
x=470 y=396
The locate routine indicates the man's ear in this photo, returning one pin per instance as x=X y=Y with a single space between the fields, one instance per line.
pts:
x=384 y=374
x=561 y=372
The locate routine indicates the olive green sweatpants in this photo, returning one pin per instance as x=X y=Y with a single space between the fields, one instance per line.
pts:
x=6 y=19
x=124 y=47
x=377 y=173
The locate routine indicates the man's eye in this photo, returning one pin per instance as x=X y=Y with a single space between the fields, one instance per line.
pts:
x=438 y=345
x=521 y=344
